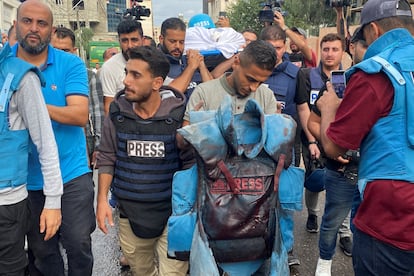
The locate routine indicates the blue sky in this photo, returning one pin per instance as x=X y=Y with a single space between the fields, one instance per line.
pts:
x=163 y=9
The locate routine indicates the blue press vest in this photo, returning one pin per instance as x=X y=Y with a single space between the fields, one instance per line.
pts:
x=243 y=143
x=177 y=66
x=14 y=150
x=387 y=152
x=282 y=82
x=315 y=77
x=147 y=155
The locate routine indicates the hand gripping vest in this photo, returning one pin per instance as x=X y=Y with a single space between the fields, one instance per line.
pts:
x=14 y=148
x=387 y=152
x=241 y=160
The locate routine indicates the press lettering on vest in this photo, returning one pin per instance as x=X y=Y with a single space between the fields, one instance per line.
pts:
x=149 y=149
x=313 y=96
x=244 y=185
x=192 y=85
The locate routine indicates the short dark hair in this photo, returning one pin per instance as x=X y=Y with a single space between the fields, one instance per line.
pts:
x=128 y=26
x=273 y=32
x=157 y=62
x=153 y=44
x=260 y=53
x=333 y=37
x=63 y=32
x=172 y=23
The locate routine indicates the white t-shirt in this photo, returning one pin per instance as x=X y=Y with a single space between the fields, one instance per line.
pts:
x=112 y=75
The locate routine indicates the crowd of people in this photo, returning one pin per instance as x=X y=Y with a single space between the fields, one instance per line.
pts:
x=134 y=121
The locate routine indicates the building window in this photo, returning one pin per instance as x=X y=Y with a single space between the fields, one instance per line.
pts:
x=59 y=2
x=78 y=3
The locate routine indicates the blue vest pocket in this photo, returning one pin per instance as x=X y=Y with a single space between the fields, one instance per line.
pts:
x=291 y=188
x=182 y=222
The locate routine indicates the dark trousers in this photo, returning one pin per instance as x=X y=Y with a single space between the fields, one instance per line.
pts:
x=13 y=227
x=372 y=257
x=78 y=222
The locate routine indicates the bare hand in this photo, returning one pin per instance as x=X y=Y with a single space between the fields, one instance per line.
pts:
x=93 y=160
x=104 y=211
x=223 y=21
x=314 y=151
x=50 y=220
x=342 y=160
x=329 y=101
x=279 y=20
x=194 y=58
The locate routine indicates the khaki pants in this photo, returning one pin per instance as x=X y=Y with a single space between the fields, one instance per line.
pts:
x=148 y=257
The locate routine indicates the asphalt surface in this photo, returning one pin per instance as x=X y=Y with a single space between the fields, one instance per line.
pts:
x=306 y=248
x=106 y=251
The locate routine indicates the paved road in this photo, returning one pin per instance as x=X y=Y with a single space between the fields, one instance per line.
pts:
x=106 y=251
x=306 y=248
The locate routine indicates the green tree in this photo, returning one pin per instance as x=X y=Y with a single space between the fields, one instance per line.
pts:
x=244 y=14
x=83 y=36
x=309 y=15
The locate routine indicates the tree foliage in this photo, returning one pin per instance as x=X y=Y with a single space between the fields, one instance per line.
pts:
x=309 y=15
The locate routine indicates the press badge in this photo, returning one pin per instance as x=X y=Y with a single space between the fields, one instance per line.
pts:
x=146 y=149
x=313 y=96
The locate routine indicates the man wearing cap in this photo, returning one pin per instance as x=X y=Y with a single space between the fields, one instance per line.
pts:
x=302 y=55
x=376 y=115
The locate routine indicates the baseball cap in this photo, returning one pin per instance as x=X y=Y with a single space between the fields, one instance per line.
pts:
x=374 y=10
x=201 y=20
x=299 y=31
x=356 y=36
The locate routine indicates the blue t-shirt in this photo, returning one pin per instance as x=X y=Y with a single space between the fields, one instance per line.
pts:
x=65 y=75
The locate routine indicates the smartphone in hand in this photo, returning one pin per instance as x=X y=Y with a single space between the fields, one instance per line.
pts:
x=338 y=82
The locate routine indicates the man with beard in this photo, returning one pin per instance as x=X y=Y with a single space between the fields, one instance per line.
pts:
x=138 y=156
x=66 y=97
x=186 y=71
x=112 y=72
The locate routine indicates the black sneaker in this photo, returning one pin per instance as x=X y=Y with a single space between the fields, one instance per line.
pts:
x=312 y=224
x=292 y=259
x=345 y=244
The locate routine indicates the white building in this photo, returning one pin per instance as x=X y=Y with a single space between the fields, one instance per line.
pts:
x=8 y=12
x=216 y=6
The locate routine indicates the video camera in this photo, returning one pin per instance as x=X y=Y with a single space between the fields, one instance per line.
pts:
x=136 y=11
x=337 y=3
x=267 y=14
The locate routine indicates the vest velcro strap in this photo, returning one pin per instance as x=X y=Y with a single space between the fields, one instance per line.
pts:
x=228 y=176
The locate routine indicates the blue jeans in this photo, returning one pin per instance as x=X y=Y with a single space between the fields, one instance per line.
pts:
x=78 y=222
x=373 y=257
x=339 y=194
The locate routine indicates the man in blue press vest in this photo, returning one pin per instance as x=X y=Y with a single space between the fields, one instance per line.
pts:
x=376 y=115
x=66 y=96
x=309 y=83
x=23 y=116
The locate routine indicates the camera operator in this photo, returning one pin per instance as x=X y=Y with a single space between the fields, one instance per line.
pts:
x=298 y=43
